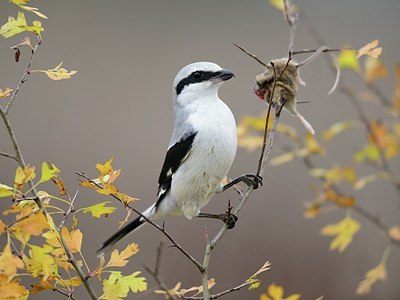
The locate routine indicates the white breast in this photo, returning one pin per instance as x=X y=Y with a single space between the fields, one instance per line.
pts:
x=212 y=155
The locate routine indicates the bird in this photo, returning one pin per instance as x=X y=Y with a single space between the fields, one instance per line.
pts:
x=200 y=153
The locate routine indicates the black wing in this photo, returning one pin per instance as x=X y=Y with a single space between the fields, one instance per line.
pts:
x=175 y=156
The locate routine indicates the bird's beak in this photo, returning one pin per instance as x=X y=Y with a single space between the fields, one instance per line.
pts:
x=222 y=75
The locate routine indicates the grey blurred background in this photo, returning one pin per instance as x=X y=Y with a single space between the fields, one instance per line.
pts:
x=119 y=105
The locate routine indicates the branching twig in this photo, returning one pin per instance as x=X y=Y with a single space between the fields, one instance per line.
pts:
x=220 y=294
x=251 y=55
x=66 y=294
x=174 y=243
x=304 y=51
x=23 y=78
x=69 y=211
x=8 y=155
x=156 y=272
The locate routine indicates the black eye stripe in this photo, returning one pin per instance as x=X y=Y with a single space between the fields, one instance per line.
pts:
x=195 y=77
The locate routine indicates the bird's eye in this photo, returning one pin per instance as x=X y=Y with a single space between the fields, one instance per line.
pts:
x=197 y=75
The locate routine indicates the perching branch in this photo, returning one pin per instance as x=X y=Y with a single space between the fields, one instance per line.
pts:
x=174 y=243
x=220 y=294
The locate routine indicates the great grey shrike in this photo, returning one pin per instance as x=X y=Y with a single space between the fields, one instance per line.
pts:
x=200 y=153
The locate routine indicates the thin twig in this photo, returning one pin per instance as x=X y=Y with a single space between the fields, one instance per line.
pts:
x=291 y=18
x=69 y=211
x=220 y=294
x=8 y=155
x=66 y=294
x=156 y=272
x=251 y=55
x=304 y=51
x=174 y=243
x=23 y=78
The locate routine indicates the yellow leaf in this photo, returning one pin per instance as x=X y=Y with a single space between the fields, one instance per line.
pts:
x=23 y=175
x=49 y=171
x=371 y=49
x=61 y=188
x=337 y=128
x=99 y=209
x=99 y=269
x=33 y=225
x=108 y=189
x=14 y=26
x=198 y=289
x=373 y=276
x=31 y=9
x=279 y=4
x=19 y=2
x=125 y=198
x=11 y=289
x=6 y=93
x=283 y=158
x=58 y=73
x=253 y=278
x=6 y=191
x=374 y=69
x=117 y=286
x=73 y=239
x=43 y=285
x=275 y=292
x=105 y=168
x=40 y=262
x=347 y=59
x=369 y=153
x=312 y=145
x=343 y=232
x=119 y=259
x=10 y=263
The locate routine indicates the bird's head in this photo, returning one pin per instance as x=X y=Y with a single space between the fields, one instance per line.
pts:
x=198 y=80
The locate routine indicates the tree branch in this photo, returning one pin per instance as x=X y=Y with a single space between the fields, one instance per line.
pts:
x=156 y=275
x=23 y=78
x=8 y=155
x=174 y=243
x=220 y=294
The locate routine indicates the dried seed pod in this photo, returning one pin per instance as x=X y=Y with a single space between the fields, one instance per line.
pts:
x=286 y=86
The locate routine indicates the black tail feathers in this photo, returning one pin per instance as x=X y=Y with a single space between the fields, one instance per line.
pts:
x=132 y=226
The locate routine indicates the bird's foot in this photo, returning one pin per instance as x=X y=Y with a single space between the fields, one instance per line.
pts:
x=229 y=219
x=252 y=180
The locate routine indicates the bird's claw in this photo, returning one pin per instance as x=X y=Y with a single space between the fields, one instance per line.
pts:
x=253 y=180
x=229 y=219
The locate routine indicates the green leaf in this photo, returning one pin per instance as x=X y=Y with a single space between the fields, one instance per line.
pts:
x=49 y=171
x=6 y=191
x=99 y=209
